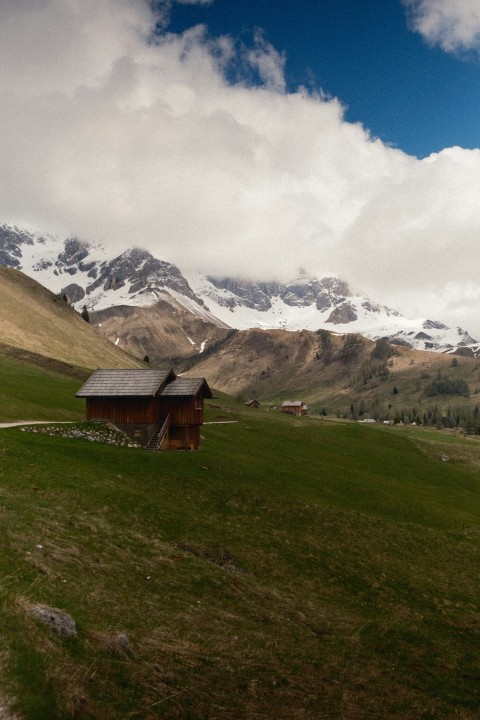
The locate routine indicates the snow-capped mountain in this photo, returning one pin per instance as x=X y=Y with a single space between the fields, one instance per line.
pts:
x=88 y=274
x=311 y=304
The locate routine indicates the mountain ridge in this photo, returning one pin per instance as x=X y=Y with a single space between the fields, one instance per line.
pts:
x=89 y=275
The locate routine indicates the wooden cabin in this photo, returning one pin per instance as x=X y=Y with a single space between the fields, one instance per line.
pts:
x=294 y=407
x=252 y=403
x=154 y=407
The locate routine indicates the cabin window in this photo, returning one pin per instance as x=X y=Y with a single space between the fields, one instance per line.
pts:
x=198 y=403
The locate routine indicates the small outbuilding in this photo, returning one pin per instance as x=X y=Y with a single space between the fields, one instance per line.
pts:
x=252 y=403
x=294 y=407
x=154 y=407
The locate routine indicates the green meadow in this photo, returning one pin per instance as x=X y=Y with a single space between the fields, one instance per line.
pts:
x=291 y=568
x=30 y=392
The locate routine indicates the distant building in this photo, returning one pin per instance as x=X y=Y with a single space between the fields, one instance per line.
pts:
x=154 y=407
x=294 y=407
x=252 y=403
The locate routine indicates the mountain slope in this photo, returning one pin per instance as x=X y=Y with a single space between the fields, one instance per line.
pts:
x=34 y=319
x=331 y=371
x=165 y=330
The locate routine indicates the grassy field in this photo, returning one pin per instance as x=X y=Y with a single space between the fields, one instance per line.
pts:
x=30 y=392
x=292 y=568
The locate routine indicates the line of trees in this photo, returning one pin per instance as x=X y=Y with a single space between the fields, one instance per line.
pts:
x=466 y=417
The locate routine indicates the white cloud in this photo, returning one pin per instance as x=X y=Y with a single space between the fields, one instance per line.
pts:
x=267 y=62
x=427 y=224
x=454 y=25
x=130 y=142
x=58 y=45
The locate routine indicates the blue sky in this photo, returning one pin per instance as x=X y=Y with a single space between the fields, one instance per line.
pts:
x=255 y=139
x=412 y=95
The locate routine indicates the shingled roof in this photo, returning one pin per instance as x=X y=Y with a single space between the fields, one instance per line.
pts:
x=142 y=383
x=125 y=383
x=186 y=387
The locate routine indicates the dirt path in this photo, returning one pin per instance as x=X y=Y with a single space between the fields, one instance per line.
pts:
x=33 y=422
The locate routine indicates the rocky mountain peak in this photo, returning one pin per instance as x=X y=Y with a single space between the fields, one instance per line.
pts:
x=466 y=338
x=11 y=241
x=332 y=292
x=138 y=272
x=241 y=292
x=343 y=314
x=302 y=292
x=433 y=325
x=336 y=287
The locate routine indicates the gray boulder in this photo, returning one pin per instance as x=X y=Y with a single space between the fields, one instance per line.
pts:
x=58 y=620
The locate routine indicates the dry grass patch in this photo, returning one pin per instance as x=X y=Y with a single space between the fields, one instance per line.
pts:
x=463 y=451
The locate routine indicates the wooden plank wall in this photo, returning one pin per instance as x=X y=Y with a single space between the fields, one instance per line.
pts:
x=186 y=411
x=184 y=437
x=144 y=414
x=124 y=410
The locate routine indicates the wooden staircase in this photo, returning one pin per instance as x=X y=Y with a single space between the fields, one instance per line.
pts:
x=156 y=438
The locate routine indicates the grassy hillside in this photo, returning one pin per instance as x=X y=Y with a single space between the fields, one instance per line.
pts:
x=32 y=318
x=31 y=391
x=292 y=568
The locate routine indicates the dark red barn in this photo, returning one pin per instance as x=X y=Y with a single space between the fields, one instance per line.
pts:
x=154 y=407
